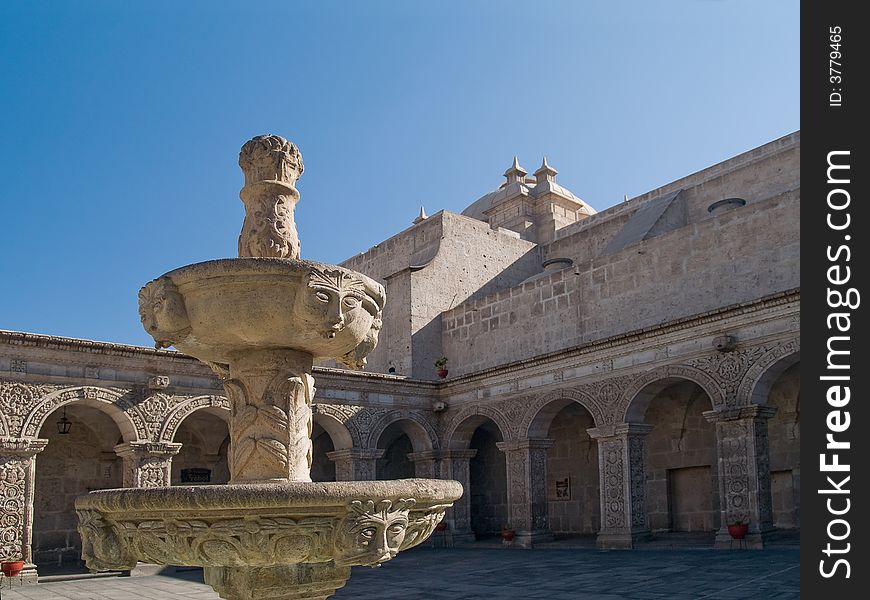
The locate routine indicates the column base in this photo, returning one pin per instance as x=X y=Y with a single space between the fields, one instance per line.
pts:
x=527 y=539
x=286 y=582
x=147 y=569
x=621 y=541
x=28 y=576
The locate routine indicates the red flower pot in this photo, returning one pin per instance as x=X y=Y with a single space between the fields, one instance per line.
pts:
x=507 y=536
x=12 y=568
x=442 y=373
x=738 y=531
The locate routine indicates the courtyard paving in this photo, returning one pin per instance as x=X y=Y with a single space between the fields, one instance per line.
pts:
x=484 y=573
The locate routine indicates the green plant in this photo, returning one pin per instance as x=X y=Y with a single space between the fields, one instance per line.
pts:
x=441 y=363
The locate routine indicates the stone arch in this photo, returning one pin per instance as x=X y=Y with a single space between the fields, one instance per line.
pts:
x=337 y=431
x=217 y=405
x=756 y=384
x=111 y=402
x=540 y=414
x=340 y=415
x=462 y=425
x=641 y=390
x=423 y=436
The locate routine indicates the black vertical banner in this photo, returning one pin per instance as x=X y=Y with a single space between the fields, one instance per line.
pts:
x=835 y=222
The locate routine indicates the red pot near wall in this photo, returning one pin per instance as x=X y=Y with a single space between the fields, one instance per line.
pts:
x=12 y=568
x=442 y=373
x=738 y=531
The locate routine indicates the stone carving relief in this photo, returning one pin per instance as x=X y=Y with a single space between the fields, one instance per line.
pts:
x=605 y=395
x=340 y=305
x=163 y=313
x=489 y=411
x=369 y=532
x=183 y=409
x=611 y=452
x=530 y=409
x=17 y=400
x=690 y=373
x=728 y=370
x=637 y=480
x=271 y=166
x=754 y=373
x=12 y=482
x=272 y=424
x=344 y=414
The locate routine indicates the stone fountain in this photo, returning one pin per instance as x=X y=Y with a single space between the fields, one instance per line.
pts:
x=259 y=321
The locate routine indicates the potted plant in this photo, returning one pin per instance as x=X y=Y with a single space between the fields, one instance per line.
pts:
x=441 y=366
x=738 y=529
x=507 y=533
x=11 y=568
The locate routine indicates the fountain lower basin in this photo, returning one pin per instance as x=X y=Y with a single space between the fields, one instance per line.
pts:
x=261 y=525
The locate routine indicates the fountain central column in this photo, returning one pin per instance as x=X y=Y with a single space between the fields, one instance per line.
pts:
x=270 y=393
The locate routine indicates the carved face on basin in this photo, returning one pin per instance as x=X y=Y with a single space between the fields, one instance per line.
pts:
x=371 y=533
x=335 y=304
x=162 y=311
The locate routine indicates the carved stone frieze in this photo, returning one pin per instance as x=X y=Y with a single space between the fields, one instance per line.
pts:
x=16 y=485
x=728 y=369
x=260 y=526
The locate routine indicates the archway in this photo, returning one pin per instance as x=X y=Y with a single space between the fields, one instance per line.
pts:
x=784 y=436
x=397 y=444
x=71 y=465
x=681 y=466
x=573 y=488
x=322 y=469
x=204 y=438
x=488 y=481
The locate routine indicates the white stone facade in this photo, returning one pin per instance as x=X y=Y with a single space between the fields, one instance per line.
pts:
x=657 y=356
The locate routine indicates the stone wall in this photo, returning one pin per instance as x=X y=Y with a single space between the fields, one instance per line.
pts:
x=681 y=484
x=745 y=253
x=784 y=431
x=574 y=456
x=71 y=465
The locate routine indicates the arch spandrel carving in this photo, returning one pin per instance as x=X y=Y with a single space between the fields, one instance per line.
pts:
x=116 y=403
x=345 y=415
x=632 y=406
x=534 y=422
x=482 y=410
x=429 y=437
x=761 y=375
x=186 y=407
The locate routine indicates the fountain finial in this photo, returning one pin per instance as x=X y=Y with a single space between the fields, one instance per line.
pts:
x=271 y=165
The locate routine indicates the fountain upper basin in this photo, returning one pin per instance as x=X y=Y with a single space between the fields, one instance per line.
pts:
x=217 y=309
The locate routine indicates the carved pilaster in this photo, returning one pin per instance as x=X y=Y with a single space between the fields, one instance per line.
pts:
x=17 y=468
x=527 y=488
x=147 y=464
x=455 y=464
x=270 y=392
x=744 y=471
x=355 y=464
x=622 y=474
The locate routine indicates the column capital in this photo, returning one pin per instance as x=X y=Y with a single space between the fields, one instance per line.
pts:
x=356 y=454
x=21 y=447
x=424 y=455
x=752 y=411
x=525 y=444
x=142 y=449
x=468 y=453
x=619 y=429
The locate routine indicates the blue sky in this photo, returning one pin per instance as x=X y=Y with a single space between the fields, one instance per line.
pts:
x=122 y=121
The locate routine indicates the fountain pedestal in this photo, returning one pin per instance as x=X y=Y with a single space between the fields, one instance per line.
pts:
x=259 y=322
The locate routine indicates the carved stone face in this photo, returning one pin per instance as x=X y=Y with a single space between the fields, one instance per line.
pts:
x=334 y=302
x=162 y=311
x=371 y=534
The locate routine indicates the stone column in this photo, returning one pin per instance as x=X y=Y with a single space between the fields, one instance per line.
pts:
x=622 y=477
x=355 y=464
x=455 y=464
x=744 y=471
x=17 y=472
x=147 y=464
x=527 y=489
x=426 y=463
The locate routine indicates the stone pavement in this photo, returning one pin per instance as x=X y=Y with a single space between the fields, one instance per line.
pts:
x=507 y=574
